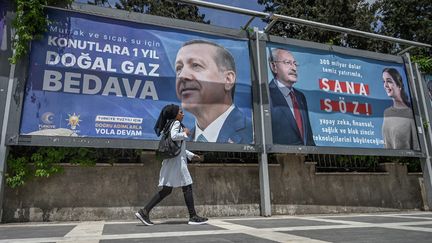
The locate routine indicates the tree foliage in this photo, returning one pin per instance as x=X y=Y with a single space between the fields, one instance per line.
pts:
x=45 y=162
x=410 y=19
x=355 y=14
x=30 y=23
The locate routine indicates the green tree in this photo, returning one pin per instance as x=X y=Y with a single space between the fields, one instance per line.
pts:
x=355 y=14
x=99 y=3
x=45 y=162
x=411 y=20
x=163 y=8
x=30 y=23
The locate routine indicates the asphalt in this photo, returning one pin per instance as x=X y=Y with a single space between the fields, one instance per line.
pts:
x=389 y=227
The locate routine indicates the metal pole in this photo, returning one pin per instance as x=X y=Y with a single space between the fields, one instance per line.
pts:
x=405 y=50
x=303 y=22
x=263 y=166
x=427 y=132
x=248 y=23
x=5 y=118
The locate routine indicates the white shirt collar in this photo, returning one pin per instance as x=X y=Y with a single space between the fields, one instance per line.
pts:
x=211 y=133
x=284 y=89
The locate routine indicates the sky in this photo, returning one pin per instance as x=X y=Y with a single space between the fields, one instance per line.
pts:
x=233 y=20
x=227 y=19
x=224 y=18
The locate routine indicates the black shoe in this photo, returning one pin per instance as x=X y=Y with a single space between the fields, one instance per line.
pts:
x=197 y=220
x=143 y=216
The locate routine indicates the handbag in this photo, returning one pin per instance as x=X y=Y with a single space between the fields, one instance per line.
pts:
x=167 y=147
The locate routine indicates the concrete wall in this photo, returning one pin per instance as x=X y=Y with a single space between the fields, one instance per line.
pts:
x=107 y=192
x=297 y=189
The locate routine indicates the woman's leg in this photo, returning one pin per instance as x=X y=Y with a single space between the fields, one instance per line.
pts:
x=144 y=214
x=188 y=196
x=165 y=191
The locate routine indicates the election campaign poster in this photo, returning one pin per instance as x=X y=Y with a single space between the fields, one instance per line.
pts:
x=98 y=77
x=338 y=100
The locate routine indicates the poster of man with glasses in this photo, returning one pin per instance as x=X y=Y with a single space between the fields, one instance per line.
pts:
x=333 y=97
x=290 y=117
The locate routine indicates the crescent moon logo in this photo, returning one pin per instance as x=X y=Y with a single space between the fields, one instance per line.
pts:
x=47 y=118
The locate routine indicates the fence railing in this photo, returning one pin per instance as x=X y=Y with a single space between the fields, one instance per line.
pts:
x=343 y=163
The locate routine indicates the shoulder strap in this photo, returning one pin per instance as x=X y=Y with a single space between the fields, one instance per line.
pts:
x=172 y=124
x=168 y=126
x=168 y=131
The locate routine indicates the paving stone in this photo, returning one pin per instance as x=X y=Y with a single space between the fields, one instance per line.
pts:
x=357 y=235
x=375 y=219
x=276 y=223
x=20 y=232
x=135 y=228
x=195 y=239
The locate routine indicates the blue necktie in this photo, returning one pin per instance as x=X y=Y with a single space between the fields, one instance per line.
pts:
x=201 y=138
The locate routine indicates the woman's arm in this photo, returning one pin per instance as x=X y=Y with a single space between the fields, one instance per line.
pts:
x=190 y=155
x=175 y=134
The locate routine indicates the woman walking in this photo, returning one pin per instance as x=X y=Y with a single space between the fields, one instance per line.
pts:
x=174 y=171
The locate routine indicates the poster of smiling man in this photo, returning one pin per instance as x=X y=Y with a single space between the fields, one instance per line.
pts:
x=104 y=78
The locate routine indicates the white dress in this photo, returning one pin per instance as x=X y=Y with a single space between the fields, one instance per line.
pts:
x=174 y=171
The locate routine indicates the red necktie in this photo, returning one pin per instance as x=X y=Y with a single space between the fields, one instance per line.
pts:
x=297 y=114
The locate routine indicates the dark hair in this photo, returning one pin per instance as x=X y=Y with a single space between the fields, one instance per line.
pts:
x=398 y=80
x=223 y=59
x=166 y=117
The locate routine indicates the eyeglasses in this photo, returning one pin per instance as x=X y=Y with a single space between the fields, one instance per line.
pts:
x=291 y=63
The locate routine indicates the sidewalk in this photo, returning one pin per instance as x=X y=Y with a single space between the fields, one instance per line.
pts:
x=390 y=227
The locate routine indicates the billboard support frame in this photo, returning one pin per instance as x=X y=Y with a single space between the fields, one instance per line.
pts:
x=277 y=148
x=15 y=138
x=248 y=23
x=426 y=116
x=10 y=136
x=264 y=112
x=7 y=89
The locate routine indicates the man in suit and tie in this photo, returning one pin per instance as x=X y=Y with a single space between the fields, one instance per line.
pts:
x=205 y=82
x=289 y=112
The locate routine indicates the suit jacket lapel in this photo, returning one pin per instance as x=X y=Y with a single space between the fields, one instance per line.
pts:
x=280 y=102
x=234 y=122
x=192 y=134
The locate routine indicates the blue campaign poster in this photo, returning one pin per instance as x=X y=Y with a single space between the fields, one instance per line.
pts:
x=98 y=77
x=344 y=101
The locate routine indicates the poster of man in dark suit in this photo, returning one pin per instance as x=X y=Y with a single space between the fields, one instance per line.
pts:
x=205 y=83
x=289 y=111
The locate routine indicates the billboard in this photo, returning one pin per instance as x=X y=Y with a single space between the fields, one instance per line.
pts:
x=324 y=98
x=98 y=77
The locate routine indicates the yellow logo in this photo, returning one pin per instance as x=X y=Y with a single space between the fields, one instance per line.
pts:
x=73 y=120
